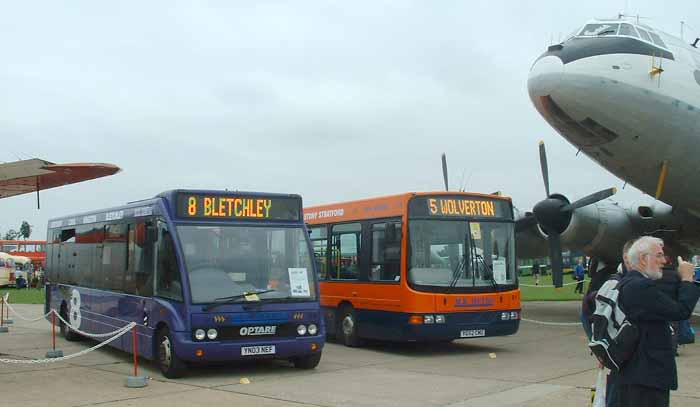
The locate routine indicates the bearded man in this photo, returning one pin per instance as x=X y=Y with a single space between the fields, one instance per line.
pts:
x=646 y=380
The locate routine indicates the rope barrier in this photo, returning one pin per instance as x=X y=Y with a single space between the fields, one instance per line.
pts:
x=117 y=334
x=552 y=286
x=87 y=333
x=551 y=323
x=28 y=319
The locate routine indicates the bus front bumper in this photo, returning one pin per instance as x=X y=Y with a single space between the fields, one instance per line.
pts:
x=223 y=351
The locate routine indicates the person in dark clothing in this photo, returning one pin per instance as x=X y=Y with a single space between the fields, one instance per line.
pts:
x=647 y=378
x=536 y=272
x=668 y=283
x=579 y=275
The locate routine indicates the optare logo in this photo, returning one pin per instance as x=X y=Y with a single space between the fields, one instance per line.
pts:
x=258 y=330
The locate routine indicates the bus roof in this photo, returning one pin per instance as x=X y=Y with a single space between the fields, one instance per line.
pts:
x=169 y=198
x=380 y=207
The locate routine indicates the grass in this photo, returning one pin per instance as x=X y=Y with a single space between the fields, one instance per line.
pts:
x=546 y=291
x=24 y=295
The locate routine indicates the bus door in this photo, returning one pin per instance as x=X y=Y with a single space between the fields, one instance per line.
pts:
x=138 y=281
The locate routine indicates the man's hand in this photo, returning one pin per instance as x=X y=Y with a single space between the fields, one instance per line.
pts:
x=685 y=269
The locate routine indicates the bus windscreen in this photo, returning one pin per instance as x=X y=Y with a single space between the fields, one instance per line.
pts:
x=236 y=206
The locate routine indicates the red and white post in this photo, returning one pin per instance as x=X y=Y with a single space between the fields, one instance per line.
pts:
x=3 y=328
x=136 y=380
x=53 y=353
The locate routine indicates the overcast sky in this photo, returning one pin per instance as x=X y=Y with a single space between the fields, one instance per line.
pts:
x=332 y=100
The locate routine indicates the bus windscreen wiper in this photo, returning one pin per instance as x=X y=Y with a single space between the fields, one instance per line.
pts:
x=488 y=268
x=457 y=273
x=234 y=298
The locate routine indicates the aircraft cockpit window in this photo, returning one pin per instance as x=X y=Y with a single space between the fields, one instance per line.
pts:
x=599 y=30
x=628 y=29
x=657 y=40
x=644 y=34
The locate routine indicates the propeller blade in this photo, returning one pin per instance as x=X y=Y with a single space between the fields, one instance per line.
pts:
x=545 y=170
x=555 y=258
x=590 y=199
x=444 y=171
x=525 y=223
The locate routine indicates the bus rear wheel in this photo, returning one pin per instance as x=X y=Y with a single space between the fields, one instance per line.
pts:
x=347 y=329
x=307 y=362
x=170 y=365
x=65 y=330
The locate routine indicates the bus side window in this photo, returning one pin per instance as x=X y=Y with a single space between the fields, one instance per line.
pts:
x=168 y=282
x=345 y=249
x=386 y=252
x=319 y=240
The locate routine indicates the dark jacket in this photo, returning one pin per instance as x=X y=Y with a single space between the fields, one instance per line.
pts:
x=647 y=305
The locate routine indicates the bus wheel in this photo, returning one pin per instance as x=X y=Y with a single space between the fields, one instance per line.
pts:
x=65 y=330
x=347 y=327
x=307 y=362
x=170 y=365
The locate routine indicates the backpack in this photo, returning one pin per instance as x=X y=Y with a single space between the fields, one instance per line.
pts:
x=614 y=338
x=686 y=333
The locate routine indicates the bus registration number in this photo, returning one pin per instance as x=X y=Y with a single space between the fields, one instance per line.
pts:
x=472 y=333
x=258 y=350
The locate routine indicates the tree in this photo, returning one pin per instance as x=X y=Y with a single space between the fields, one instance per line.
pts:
x=11 y=235
x=25 y=230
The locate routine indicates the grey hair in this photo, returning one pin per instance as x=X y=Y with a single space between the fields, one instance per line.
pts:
x=641 y=246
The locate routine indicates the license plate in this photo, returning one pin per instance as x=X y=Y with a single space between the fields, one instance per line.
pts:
x=472 y=333
x=258 y=350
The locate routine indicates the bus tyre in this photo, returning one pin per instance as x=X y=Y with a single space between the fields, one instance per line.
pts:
x=65 y=330
x=347 y=330
x=307 y=362
x=170 y=365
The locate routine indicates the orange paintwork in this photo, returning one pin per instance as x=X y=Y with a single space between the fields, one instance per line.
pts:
x=398 y=297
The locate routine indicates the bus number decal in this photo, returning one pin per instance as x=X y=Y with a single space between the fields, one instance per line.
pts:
x=74 y=316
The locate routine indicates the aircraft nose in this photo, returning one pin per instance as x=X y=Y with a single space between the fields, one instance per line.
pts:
x=545 y=75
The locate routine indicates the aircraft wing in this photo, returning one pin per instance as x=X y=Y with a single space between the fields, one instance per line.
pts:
x=21 y=177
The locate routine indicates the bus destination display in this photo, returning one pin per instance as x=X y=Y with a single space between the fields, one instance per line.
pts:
x=459 y=207
x=210 y=206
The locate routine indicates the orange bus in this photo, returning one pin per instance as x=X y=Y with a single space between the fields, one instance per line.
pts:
x=432 y=266
x=34 y=249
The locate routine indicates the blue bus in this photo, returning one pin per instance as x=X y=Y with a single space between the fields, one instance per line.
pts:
x=208 y=276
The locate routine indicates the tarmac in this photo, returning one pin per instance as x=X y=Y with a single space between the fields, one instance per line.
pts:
x=542 y=365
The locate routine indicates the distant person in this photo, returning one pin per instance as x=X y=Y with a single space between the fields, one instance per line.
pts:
x=579 y=275
x=650 y=375
x=536 y=272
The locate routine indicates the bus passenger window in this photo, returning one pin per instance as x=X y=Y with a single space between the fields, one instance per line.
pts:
x=319 y=240
x=345 y=249
x=386 y=252
x=167 y=273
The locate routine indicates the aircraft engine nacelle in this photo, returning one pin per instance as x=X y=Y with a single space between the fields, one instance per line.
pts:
x=600 y=229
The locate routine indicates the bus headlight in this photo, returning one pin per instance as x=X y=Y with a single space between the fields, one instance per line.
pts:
x=514 y=315
x=313 y=329
x=505 y=316
x=212 y=333
x=439 y=319
x=200 y=334
x=301 y=330
x=428 y=319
